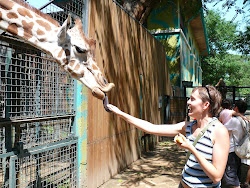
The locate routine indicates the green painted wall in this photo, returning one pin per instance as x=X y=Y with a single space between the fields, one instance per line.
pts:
x=81 y=104
x=164 y=16
x=184 y=64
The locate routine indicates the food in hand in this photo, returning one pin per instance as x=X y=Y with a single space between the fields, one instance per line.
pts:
x=178 y=139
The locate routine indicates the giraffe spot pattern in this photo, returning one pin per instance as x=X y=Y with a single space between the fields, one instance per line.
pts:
x=27 y=29
x=60 y=53
x=65 y=61
x=95 y=67
x=72 y=63
x=12 y=15
x=24 y=12
x=6 y=5
x=69 y=69
x=44 y=24
x=40 y=32
x=77 y=67
x=12 y=28
x=73 y=74
x=43 y=39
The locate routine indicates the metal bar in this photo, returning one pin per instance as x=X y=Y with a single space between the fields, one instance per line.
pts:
x=43 y=147
x=47 y=4
x=5 y=121
x=12 y=172
x=36 y=150
x=171 y=31
x=240 y=87
x=5 y=155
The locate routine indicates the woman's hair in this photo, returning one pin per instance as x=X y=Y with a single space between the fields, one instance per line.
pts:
x=212 y=95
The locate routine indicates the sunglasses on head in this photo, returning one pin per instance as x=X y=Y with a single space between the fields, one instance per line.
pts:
x=210 y=99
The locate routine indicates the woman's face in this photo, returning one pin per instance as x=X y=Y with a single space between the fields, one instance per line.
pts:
x=195 y=105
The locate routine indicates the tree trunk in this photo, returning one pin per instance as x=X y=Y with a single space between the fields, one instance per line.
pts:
x=139 y=9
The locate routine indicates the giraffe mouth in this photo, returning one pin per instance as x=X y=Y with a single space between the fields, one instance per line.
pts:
x=99 y=92
x=96 y=92
x=103 y=85
x=107 y=87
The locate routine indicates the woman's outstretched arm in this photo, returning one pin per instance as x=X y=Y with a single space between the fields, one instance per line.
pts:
x=162 y=130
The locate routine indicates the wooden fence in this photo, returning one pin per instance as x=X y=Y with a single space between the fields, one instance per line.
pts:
x=135 y=62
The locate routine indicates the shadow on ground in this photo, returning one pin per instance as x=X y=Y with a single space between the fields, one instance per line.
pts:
x=161 y=167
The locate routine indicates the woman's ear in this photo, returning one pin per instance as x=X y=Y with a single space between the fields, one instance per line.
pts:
x=206 y=105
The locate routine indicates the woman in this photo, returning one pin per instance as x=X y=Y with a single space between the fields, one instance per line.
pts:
x=207 y=162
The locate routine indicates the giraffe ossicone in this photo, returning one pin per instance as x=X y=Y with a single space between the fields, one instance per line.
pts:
x=70 y=48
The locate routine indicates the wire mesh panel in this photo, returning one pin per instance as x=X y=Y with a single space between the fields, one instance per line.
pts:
x=32 y=84
x=3 y=171
x=37 y=112
x=36 y=109
x=44 y=132
x=2 y=140
x=49 y=168
x=2 y=91
x=2 y=160
x=59 y=10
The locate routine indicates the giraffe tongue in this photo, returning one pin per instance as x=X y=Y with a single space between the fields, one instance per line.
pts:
x=96 y=92
x=105 y=103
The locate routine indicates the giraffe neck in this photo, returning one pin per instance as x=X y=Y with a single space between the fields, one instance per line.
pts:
x=28 y=25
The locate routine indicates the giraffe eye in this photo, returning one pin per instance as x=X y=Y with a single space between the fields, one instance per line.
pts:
x=80 y=50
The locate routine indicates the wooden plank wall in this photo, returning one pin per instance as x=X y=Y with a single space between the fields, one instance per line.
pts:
x=124 y=51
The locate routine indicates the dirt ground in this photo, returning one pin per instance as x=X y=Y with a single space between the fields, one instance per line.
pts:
x=159 y=168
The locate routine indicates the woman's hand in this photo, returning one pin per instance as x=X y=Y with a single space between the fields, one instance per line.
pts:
x=181 y=141
x=114 y=109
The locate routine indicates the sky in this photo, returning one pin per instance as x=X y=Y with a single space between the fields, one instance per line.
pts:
x=228 y=15
x=37 y=3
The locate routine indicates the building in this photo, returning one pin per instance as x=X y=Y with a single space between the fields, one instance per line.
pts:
x=180 y=27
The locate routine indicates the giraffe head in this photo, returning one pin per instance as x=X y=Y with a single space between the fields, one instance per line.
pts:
x=72 y=50
x=79 y=58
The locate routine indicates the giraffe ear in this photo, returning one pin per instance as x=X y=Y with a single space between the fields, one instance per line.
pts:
x=62 y=34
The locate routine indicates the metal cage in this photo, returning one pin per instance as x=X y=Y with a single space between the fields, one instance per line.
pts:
x=38 y=147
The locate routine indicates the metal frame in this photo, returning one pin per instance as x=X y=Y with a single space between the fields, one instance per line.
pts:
x=37 y=113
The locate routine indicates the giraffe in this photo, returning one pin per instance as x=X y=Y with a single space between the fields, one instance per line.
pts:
x=70 y=48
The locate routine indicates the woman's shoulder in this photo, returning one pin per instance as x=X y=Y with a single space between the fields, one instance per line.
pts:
x=220 y=129
x=220 y=133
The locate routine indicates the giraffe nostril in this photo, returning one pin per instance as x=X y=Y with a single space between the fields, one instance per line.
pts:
x=105 y=81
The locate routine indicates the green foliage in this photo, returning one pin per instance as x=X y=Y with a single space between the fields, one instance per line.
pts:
x=223 y=36
x=221 y=33
x=190 y=8
x=233 y=69
x=240 y=7
x=242 y=42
